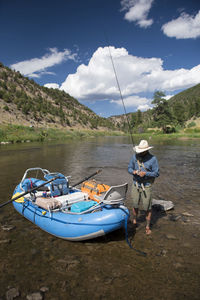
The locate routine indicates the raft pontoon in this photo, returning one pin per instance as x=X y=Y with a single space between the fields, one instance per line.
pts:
x=67 y=212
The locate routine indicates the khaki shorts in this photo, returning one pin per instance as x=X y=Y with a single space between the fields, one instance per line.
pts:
x=144 y=196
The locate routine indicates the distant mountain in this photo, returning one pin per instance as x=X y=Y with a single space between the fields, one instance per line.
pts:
x=24 y=102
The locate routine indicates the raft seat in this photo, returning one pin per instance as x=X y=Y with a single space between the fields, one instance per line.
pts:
x=59 y=186
x=115 y=195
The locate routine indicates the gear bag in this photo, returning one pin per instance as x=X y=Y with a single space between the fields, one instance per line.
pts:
x=59 y=186
x=93 y=188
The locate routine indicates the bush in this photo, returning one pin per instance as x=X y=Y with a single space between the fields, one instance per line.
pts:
x=6 y=108
x=191 y=124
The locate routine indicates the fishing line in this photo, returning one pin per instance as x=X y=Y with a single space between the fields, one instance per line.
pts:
x=129 y=127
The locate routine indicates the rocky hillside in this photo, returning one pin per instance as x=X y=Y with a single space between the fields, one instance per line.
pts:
x=24 y=102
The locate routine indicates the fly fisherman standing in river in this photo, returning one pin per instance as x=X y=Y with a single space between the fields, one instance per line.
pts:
x=144 y=168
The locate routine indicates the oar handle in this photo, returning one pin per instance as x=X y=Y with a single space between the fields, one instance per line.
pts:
x=86 y=178
x=29 y=191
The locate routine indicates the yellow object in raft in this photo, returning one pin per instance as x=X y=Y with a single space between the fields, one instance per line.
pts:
x=19 y=200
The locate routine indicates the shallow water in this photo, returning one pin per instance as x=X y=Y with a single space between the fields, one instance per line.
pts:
x=105 y=268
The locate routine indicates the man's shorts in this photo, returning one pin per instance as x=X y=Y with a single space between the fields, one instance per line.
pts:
x=144 y=196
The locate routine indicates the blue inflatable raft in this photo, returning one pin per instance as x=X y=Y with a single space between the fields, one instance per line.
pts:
x=66 y=212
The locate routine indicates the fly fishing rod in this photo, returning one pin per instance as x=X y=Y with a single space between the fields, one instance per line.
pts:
x=127 y=120
x=86 y=178
x=129 y=127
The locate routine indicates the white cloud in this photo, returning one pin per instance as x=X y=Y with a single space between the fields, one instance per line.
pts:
x=137 y=11
x=167 y=97
x=96 y=81
x=36 y=67
x=184 y=27
x=144 y=107
x=52 y=85
x=135 y=102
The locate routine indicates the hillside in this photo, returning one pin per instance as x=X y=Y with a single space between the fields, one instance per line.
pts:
x=24 y=102
x=186 y=104
x=181 y=110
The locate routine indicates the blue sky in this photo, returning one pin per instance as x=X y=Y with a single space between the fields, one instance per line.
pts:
x=155 y=45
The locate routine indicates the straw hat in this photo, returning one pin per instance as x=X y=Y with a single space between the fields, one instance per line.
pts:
x=142 y=147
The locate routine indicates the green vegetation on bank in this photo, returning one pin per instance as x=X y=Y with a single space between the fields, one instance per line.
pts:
x=158 y=135
x=19 y=134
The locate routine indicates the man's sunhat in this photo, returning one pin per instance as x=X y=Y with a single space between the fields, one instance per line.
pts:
x=142 y=147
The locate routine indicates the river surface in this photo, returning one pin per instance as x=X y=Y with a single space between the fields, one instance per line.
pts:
x=32 y=261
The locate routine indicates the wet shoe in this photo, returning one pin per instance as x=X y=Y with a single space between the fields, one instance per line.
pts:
x=148 y=231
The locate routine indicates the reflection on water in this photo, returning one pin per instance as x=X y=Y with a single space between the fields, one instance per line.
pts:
x=74 y=264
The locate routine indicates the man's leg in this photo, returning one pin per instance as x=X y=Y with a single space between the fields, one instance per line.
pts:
x=135 y=195
x=147 y=202
x=135 y=214
x=148 y=220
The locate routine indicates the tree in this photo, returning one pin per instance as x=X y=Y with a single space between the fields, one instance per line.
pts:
x=179 y=113
x=133 y=120
x=138 y=118
x=162 y=113
x=158 y=97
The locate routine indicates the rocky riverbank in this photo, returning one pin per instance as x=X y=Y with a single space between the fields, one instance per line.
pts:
x=35 y=265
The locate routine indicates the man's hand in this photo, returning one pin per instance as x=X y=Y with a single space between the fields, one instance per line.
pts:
x=142 y=174
x=139 y=173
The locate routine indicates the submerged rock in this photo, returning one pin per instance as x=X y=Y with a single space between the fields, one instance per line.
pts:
x=171 y=237
x=174 y=218
x=8 y=241
x=44 y=289
x=186 y=214
x=12 y=293
x=7 y=227
x=35 y=296
x=163 y=252
x=177 y=265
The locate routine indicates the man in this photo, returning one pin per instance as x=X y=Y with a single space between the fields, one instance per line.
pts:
x=144 y=168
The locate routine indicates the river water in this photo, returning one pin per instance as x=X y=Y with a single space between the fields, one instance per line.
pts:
x=106 y=268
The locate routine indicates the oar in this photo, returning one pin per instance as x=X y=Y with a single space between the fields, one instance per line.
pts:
x=86 y=178
x=29 y=191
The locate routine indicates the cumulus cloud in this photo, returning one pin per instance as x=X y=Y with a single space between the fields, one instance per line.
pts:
x=96 y=81
x=52 y=85
x=167 y=97
x=135 y=102
x=184 y=27
x=36 y=67
x=137 y=11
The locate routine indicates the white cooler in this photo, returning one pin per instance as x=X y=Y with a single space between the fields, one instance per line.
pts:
x=72 y=198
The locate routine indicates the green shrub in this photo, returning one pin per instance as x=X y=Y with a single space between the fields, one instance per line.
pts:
x=6 y=108
x=191 y=124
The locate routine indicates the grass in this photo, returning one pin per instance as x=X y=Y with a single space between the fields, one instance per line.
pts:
x=157 y=136
x=19 y=134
